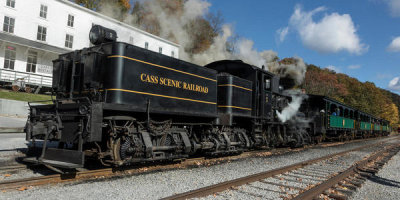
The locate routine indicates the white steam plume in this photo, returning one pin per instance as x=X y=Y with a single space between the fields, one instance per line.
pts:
x=217 y=50
x=296 y=71
x=174 y=25
x=290 y=111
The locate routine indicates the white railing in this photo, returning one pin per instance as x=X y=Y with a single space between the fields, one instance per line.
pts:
x=8 y=75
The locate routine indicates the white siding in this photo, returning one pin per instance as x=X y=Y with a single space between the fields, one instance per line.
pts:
x=27 y=20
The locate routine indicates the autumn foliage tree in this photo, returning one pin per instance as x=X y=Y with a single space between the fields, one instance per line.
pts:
x=324 y=82
x=363 y=96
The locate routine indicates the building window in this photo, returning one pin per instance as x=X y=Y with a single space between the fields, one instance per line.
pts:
x=11 y=3
x=159 y=49
x=172 y=53
x=146 y=45
x=43 y=11
x=69 y=39
x=71 y=20
x=9 y=57
x=131 y=39
x=8 y=25
x=31 y=62
x=41 y=34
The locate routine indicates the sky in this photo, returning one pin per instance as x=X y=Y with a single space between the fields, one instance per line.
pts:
x=359 y=38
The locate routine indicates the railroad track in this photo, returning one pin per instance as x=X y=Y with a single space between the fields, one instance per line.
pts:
x=22 y=184
x=345 y=182
x=11 y=168
x=328 y=176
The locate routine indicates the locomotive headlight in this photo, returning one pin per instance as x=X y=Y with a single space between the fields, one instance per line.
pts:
x=99 y=34
x=83 y=110
x=93 y=36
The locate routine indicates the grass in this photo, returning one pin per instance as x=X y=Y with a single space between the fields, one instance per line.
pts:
x=22 y=96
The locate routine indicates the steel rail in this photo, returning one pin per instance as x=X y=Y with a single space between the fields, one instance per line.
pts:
x=56 y=178
x=354 y=169
x=12 y=167
x=212 y=189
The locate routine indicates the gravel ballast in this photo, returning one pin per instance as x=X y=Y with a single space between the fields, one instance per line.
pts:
x=11 y=146
x=383 y=185
x=162 y=184
x=289 y=184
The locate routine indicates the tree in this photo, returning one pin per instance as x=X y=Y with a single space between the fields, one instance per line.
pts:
x=390 y=112
x=350 y=91
x=121 y=6
x=323 y=82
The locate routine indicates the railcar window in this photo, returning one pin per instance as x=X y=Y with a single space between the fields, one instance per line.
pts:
x=160 y=50
x=11 y=3
x=146 y=45
x=8 y=25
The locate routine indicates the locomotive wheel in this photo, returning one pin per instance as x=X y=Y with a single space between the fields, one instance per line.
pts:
x=124 y=149
x=15 y=88
x=28 y=89
x=167 y=140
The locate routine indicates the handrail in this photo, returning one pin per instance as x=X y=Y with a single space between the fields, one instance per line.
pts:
x=31 y=78
x=30 y=73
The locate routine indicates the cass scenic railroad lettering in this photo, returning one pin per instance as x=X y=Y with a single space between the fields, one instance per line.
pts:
x=172 y=83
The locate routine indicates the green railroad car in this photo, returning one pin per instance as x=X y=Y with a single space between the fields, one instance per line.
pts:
x=341 y=122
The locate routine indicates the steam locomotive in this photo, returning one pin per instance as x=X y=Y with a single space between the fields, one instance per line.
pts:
x=121 y=104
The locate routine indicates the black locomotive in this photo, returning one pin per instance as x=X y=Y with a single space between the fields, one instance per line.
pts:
x=122 y=104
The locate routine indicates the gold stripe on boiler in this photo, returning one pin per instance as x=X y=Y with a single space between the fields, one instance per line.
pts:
x=235 y=86
x=168 y=68
x=159 y=95
x=234 y=107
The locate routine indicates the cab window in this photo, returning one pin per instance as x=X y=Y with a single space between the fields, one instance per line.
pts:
x=267 y=84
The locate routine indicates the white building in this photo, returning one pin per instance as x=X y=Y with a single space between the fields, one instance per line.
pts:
x=35 y=32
